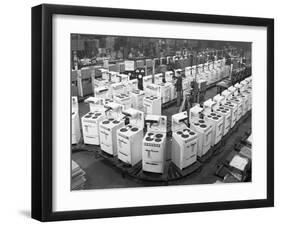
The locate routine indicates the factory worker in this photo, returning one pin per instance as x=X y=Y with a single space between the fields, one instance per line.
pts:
x=178 y=86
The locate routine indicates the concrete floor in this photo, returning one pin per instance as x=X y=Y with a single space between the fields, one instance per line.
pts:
x=100 y=174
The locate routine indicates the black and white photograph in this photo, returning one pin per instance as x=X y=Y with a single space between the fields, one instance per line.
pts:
x=157 y=111
x=145 y=112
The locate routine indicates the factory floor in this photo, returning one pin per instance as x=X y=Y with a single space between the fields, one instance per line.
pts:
x=100 y=174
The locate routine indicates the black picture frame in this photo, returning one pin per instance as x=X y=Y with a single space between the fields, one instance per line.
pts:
x=42 y=111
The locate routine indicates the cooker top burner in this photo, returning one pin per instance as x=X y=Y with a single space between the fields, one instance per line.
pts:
x=115 y=122
x=191 y=133
x=123 y=130
x=149 y=139
x=150 y=134
x=179 y=132
x=105 y=122
x=203 y=126
x=159 y=135
x=158 y=140
x=184 y=135
x=134 y=129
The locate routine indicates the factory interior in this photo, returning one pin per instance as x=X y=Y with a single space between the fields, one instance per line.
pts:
x=159 y=111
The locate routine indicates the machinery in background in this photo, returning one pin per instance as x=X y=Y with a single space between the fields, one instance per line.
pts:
x=184 y=142
x=139 y=73
x=75 y=123
x=109 y=126
x=129 y=137
x=154 y=144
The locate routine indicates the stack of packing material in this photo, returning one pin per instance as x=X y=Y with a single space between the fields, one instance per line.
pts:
x=77 y=177
x=239 y=167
